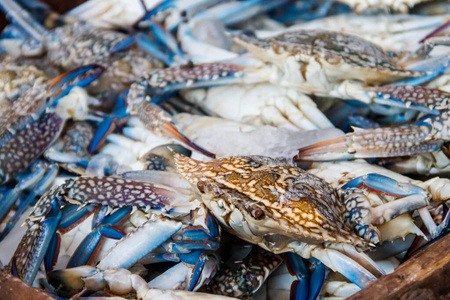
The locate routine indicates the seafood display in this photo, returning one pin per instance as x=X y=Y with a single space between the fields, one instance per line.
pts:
x=204 y=149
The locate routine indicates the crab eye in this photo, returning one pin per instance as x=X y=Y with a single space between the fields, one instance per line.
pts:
x=201 y=186
x=257 y=213
x=254 y=164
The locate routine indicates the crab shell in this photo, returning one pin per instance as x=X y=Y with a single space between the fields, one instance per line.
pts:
x=81 y=44
x=325 y=56
x=272 y=203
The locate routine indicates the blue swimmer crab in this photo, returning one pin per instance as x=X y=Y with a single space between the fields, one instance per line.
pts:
x=283 y=208
x=170 y=227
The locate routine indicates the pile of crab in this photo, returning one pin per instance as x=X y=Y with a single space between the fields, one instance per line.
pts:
x=214 y=149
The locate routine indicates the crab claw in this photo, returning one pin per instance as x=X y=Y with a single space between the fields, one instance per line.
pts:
x=374 y=142
x=82 y=76
x=309 y=282
x=107 y=126
x=417 y=98
x=119 y=281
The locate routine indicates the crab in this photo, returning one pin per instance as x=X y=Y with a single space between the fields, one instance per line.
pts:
x=283 y=208
x=184 y=229
x=75 y=44
x=317 y=62
x=38 y=117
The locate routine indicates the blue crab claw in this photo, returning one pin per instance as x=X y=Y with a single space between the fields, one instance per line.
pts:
x=72 y=215
x=107 y=126
x=144 y=239
x=309 y=282
x=204 y=269
x=82 y=77
x=194 y=271
x=434 y=67
x=376 y=142
x=317 y=278
x=341 y=263
x=428 y=100
x=386 y=185
x=107 y=228
x=202 y=234
x=299 y=289
x=118 y=192
x=188 y=76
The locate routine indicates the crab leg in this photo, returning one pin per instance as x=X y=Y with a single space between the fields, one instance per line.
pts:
x=166 y=40
x=428 y=100
x=171 y=279
x=360 y=212
x=39 y=189
x=156 y=119
x=426 y=136
x=20 y=17
x=29 y=255
x=119 y=281
x=336 y=261
x=30 y=180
